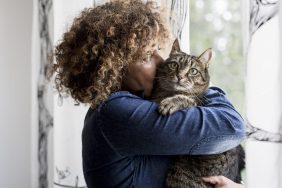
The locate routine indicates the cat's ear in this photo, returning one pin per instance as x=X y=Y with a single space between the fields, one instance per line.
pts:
x=205 y=57
x=175 y=47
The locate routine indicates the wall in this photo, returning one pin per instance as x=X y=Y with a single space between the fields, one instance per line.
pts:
x=15 y=95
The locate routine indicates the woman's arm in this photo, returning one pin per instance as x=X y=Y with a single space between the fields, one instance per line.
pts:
x=133 y=126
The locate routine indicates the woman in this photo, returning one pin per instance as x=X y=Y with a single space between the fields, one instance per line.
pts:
x=108 y=59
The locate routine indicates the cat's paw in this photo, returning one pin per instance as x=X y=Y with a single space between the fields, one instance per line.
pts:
x=167 y=106
x=192 y=103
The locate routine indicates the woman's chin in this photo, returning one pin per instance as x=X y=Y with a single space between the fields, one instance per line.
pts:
x=148 y=92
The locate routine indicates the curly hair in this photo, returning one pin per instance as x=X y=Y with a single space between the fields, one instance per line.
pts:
x=93 y=55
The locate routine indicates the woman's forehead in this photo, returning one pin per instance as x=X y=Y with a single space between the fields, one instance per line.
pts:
x=163 y=47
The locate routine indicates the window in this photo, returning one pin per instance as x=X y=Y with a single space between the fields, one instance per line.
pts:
x=217 y=24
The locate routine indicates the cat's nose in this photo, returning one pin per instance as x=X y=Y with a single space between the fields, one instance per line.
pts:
x=180 y=77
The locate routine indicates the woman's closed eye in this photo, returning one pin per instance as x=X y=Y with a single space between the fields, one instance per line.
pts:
x=160 y=48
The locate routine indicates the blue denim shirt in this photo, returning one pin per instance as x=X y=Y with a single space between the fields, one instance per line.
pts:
x=127 y=143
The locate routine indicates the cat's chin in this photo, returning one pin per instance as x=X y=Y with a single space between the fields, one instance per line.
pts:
x=182 y=88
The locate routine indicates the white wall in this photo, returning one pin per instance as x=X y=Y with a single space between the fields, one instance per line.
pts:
x=15 y=93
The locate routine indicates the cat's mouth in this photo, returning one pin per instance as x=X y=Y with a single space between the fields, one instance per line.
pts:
x=183 y=86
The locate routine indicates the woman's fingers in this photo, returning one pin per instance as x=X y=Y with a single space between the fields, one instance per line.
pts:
x=221 y=182
x=216 y=180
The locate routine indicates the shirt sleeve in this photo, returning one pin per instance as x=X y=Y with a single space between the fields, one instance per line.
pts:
x=133 y=126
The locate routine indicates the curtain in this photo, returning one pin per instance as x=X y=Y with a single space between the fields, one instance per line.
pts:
x=263 y=92
x=68 y=117
x=280 y=71
x=56 y=127
x=42 y=98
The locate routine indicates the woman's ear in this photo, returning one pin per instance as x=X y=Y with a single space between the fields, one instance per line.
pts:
x=175 y=47
x=205 y=57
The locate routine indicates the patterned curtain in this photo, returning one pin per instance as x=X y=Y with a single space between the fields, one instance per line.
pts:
x=42 y=127
x=68 y=117
x=56 y=128
x=178 y=11
x=263 y=93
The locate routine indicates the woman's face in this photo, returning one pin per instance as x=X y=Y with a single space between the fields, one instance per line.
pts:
x=140 y=75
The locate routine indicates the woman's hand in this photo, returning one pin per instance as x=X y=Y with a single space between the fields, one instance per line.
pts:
x=222 y=182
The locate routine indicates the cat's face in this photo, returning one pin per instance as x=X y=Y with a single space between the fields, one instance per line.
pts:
x=184 y=73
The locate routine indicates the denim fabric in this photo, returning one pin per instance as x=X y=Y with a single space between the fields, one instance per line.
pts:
x=127 y=143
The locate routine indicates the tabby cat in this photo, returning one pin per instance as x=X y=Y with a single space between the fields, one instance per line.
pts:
x=180 y=82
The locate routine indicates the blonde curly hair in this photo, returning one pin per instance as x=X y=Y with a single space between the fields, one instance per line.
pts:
x=93 y=55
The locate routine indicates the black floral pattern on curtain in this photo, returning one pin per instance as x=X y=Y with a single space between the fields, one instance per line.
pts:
x=45 y=118
x=260 y=12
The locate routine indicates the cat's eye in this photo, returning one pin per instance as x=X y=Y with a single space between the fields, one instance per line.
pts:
x=193 y=71
x=173 y=66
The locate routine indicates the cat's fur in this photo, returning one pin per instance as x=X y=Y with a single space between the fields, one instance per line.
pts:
x=180 y=82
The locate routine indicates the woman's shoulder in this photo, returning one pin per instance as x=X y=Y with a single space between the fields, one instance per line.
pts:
x=121 y=101
x=114 y=104
x=214 y=90
x=122 y=105
x=120 y=98
x=120 y=94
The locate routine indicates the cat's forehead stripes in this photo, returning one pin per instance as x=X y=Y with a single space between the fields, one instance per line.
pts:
x=179 y=57
x=185 y=61
x=197 y=62
x=176 y=58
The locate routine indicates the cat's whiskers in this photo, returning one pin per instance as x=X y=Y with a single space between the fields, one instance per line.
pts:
x=205 y=98
x=164 y=76
x=194 y=95
x=201 y=99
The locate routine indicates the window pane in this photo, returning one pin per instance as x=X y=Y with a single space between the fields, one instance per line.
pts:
x=217 y=24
